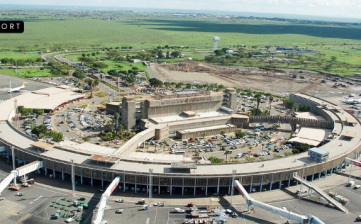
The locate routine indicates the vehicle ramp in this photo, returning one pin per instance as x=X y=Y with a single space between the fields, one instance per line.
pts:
x=322 y=193
x=28 y=168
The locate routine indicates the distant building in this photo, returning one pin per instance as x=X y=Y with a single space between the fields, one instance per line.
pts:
x=135 y=60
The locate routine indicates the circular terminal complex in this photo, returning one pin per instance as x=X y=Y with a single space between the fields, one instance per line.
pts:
x=202 y=112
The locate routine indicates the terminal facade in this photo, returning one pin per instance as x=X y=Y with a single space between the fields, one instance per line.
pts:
x=204 y=179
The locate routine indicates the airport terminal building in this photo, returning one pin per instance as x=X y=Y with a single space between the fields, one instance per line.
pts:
x=177 y=175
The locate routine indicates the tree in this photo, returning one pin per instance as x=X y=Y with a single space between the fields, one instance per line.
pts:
x=92 y=83
x=227 y=152
x=210 y=59
x=57 y=136
x=270 y=104
x=26 y=112
x=203 y=134
x=155 y=82
x=116 y=117
x=175 y=54
x=38 y=111
x=79 y=74
x=223 y=132
x=112 y=53
x=160 y=54
x=37 y=130
x=240 y=133
x=83 y=55
x=86 y=138
x=258 y=98
x=120 y=128
x=333 y=58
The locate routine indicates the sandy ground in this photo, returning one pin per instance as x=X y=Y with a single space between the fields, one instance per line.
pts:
x=276 y=82
x=166 y=75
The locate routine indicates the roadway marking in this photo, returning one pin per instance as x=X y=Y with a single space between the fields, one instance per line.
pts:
x=156 y=212
x=11 y=212
x=21 y=220
x=36 y=199
x=41 y=201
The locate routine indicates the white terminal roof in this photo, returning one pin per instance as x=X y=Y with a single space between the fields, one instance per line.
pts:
x=47 y=99
x=309 y=115
x=89 y=148
x=333 y=147
x=207 y=128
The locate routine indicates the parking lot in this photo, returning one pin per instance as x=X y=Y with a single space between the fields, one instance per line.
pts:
x=263 y=143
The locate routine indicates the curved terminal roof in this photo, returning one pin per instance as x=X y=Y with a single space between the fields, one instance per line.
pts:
x=336 y=147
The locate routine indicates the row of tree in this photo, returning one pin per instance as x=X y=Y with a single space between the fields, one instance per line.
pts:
x=42 y=131
x=20 y=62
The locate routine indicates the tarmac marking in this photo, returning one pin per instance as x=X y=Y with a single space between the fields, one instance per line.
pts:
x=41 y=201
x=156 y=212
x=88 y=217
x=36 y=199
x=21 y=220
x=11 y=212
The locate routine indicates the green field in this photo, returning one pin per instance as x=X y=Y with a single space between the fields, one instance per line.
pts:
x=81 y=33
x=23 y=56
x=30 y=72
x=147 y=31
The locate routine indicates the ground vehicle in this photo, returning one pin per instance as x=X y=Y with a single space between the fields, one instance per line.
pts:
x=159 y=204
x=357 y=186
x=179 y=210
x=358 y=218
x=20 y=194
x=69 y=220
x=57 y=214
x=190 y=204
x=119 y=211
x=15 y=187
x=141 y=202
x=119 y=200
x=351 y=183
x=24 y=184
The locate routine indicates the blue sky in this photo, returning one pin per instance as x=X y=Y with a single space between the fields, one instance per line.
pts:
x=330 y=8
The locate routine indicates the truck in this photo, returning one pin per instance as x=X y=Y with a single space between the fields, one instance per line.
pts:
x=351 y=183
x=141 y=201
x=15 y=187
x=57 y=214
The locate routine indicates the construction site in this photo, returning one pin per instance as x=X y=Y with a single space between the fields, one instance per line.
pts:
x=278 y=82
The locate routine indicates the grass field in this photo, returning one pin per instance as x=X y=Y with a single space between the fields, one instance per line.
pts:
x=101 y=94
x=24 y=56
x=29 y=73
x=81 y=33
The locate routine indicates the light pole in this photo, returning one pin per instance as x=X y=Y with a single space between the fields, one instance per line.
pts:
x=150 y=188
x=72 y=177
x=353 y=156
x=13 y=156
x=232 y=190
x=303 y=172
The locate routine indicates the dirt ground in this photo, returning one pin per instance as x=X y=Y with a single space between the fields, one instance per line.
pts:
x=275 y=81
